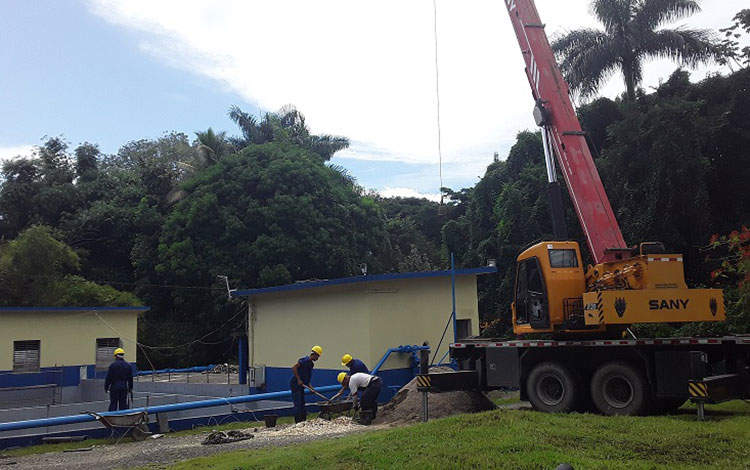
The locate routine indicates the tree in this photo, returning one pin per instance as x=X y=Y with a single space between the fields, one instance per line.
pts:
x=211 y=146
x=36 y=269
x=632 y=35
x=732 y=35
x=285 y=125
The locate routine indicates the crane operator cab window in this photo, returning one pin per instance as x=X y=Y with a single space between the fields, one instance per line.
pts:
x=531 y=296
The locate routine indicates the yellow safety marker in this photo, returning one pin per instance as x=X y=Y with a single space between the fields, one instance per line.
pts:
x=424 y=381
x=698 y=390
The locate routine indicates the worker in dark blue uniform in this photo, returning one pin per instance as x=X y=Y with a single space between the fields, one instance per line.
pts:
x=302 y=371
x=119 y=381
x=354 y=365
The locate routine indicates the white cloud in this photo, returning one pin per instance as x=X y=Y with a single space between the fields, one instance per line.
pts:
x=9 y=153
x=366 y=70
x=408 y=192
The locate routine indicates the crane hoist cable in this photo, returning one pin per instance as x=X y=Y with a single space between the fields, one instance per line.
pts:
x=437 y=98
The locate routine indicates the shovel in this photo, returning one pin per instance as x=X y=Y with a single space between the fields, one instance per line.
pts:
x=318 y=394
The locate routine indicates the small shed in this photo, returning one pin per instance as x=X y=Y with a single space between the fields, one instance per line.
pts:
x=363 y=316
x=60 y=346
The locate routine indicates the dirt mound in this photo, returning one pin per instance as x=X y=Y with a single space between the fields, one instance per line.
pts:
x=406 y=405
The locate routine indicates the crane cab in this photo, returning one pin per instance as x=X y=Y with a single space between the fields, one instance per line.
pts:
x=553 y=293
x=550 y=282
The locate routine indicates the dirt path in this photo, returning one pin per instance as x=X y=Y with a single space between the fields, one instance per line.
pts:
x=161 y=452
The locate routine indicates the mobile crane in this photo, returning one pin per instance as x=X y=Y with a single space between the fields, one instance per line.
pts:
x=588 y=364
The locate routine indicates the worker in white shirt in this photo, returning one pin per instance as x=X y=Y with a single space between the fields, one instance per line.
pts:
x=364 y=390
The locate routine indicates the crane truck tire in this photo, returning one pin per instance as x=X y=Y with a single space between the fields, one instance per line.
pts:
x=552 y=388
x=619 y=388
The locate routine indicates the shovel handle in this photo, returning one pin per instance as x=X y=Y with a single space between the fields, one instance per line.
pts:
x=318 y=394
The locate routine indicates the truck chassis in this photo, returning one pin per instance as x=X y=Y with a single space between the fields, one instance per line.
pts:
x=614 y=377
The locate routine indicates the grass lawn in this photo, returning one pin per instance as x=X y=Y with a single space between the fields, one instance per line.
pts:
x=523 y=440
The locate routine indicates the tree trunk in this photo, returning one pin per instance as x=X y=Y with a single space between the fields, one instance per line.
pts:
x=627 y=71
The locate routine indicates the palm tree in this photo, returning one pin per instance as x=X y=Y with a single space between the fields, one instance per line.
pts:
x=632 y=34
x=211 y=146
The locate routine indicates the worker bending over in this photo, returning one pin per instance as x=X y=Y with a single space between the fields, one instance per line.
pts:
x=302 y=371
x=119 y=381
x=354 y=365
x=364 y=390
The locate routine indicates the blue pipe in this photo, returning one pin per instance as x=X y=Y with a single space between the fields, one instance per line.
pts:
x=401 y=349
x=177 y=371
x=191 y=405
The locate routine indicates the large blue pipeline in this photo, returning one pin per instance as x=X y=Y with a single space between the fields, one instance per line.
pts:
x=191 y=405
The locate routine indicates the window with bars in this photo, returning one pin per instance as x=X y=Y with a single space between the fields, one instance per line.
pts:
x=26 y=356
x=105 y=351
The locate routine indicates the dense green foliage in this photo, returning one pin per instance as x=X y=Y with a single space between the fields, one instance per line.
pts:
x=36 y=269
x=163 y=219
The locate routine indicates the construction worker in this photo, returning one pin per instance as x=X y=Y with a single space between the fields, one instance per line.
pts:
x=302 y=371
x=364 y=390
x=354 y=365
x=119 y=381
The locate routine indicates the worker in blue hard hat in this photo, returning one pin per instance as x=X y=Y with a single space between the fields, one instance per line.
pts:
x=119 y=381
x=354 y=365
x=302 y=374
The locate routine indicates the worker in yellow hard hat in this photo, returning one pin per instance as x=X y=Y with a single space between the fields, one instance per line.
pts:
x=364 y=390
x=119 y=381
x=354 y=365
x=302 y=374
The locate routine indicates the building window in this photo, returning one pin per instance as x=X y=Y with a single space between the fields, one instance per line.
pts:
x=26 y=356
x=105 y=351
x=463 y=329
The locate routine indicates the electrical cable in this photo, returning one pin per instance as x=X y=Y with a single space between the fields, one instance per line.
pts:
x=440 y=343
x=189 y=343
x=437 y=96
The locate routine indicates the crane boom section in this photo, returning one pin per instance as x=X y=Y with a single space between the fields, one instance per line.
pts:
x=568 y=141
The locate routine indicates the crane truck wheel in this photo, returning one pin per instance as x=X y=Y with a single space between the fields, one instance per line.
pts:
x=619 y=388
x=552 y=388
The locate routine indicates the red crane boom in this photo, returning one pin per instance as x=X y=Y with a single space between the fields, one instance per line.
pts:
x=562 y=135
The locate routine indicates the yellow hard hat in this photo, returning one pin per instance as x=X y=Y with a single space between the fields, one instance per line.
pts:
x=119 y=351
x=346 y=359
x=317 y=350
x=341 y=377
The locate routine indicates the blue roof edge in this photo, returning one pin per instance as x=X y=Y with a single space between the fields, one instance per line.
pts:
x=357 y=279
x=45 y=309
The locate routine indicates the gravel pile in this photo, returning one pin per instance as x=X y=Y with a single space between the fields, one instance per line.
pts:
x=406 y=405
x=317 y=426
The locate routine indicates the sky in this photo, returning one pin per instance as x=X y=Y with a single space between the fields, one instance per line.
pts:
x=109 y=71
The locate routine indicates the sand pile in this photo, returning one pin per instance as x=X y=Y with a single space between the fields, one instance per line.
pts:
x=406 y=405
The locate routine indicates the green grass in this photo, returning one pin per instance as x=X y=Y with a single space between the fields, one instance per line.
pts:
x=523 y=440
x=61 y=446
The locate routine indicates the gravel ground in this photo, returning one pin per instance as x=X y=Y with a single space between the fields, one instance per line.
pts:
x=160 y=452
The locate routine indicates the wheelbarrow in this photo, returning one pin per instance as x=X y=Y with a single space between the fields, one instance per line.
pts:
x=330 y=409
x=135 y=424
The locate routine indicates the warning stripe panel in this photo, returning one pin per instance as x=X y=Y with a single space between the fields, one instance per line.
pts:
x=424 y=381
x=698 y=389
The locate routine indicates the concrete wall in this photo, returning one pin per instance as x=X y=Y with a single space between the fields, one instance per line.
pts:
x=67 y=336
x=362 y=319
